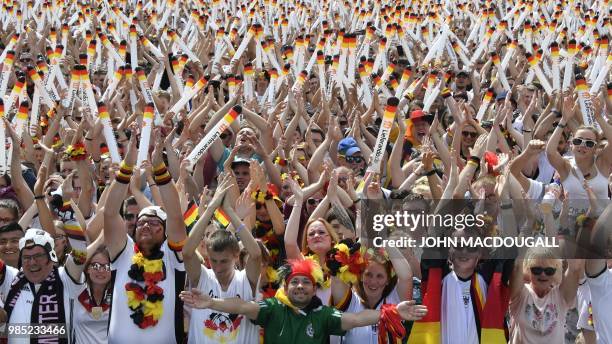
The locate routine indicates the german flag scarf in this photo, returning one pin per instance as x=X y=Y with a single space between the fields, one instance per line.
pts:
x=489 y=312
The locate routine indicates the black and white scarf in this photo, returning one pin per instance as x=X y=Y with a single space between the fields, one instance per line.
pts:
x=48 y=307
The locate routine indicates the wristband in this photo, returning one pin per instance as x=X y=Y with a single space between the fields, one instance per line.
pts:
x=88 y=138
x=123 y=178
x=527 y=131
x=560 y=125
x=176 y=246
x=430 y=173
x=159 y=169
x=475 y=159
x=126 y=169
x=163 y=179
x=39 y=197
x=241 y=227
x=473 y=163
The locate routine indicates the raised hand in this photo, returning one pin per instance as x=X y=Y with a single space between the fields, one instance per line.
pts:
x=479 y=146
x=298 y=194
x=535 y=147
x=219 y=194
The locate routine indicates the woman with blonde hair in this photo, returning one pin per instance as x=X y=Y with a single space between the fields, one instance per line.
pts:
x=319 y=237
x=541 y=293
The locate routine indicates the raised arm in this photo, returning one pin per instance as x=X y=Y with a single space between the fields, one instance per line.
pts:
x=253 y=264
x=192 y=262
x=554 y=157
x=293 y=225
x=175 y=225
x=404 y=273
x=534 y=148
x=24 y=194
x=115 y=236
x=599 y=240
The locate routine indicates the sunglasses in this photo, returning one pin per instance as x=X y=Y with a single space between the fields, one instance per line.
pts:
x=224 y=135
x=313 y=201
x=129 y=217
x=100 y=267
x=469 y=134
x=150 y=223
x=537 y=270
x=583 y=142
x=353 y=159
x=343 y=123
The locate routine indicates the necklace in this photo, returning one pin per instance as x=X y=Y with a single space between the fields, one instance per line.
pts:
x=146 y=303
x=88 y=302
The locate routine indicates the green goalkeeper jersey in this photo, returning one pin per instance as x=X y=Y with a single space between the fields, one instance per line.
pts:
x=283 y=325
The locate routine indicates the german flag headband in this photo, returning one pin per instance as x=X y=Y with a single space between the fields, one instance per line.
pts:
x=304 y=267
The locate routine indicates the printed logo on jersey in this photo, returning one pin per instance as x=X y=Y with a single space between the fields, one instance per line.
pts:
x=222 y=327
x=310 y=331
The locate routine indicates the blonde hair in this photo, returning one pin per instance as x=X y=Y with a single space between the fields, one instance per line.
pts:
x=549 y=255
x=591 y=129
x=330 y=230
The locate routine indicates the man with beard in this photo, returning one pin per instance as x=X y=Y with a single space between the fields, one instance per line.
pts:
x=296 y=314
x=40 y=293
x=148 y=272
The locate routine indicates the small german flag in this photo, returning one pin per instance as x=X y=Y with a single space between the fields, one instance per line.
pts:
x=222 y=217
x=191 y=215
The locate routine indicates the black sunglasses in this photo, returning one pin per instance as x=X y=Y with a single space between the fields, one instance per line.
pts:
x=224 y=135
x=580 y=142
x=353 y=159
x=313 y=201
x=471 y=134
x=537 y=270
x=129 y=217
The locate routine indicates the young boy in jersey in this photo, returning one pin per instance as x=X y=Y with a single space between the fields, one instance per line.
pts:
x=222 y=280
x=297 y=315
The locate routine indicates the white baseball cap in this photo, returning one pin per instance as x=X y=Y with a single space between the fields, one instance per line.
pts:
x=38 y=237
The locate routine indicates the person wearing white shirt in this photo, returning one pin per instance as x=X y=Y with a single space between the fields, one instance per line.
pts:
x=40 y=293
x=599 y=279
x=223 y=280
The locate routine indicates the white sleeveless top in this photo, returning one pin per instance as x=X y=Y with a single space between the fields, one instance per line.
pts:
x=573 y=186
x=366 y=334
